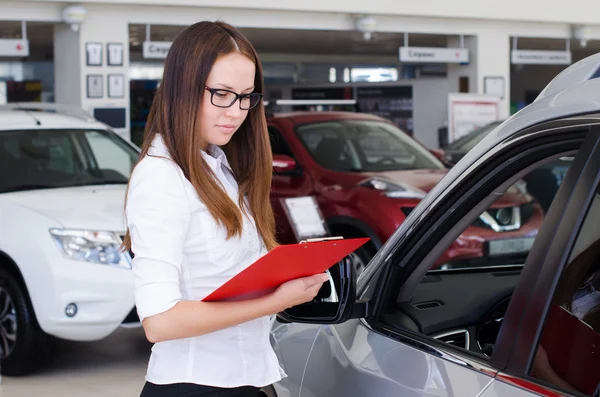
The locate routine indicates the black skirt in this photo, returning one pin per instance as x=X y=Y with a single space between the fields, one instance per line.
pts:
x=193 y=390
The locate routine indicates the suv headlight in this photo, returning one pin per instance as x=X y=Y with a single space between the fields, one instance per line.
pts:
x=91 y=246
x=393 y=190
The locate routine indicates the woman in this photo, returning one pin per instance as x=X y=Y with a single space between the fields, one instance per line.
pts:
x=198 y=212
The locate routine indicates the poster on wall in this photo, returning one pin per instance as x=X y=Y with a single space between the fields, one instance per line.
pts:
x=392 y=103
x=466 y=112
x=94 y=86
x=116 y=86
x=114 y=54
x=93 y=54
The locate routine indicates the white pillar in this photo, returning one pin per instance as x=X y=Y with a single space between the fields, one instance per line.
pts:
x=100 y=28
x=489 y=57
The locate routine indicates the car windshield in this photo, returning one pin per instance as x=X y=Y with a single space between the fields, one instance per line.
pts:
x=469 y=141
x=45 y=159
x=364 y=146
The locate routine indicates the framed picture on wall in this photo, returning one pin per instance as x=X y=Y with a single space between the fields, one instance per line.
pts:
x=95 y=86
x=114 y=54
x=494 y=85
x=93 y=54
x=116 y=85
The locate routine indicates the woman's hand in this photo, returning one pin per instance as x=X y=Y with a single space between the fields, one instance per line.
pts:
x=298 y=291
x=194 y=318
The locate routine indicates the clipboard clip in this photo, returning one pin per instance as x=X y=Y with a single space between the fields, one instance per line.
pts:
x=320 y=239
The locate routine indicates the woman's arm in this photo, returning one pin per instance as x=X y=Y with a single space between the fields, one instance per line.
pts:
x=193 y=318
x=158 y=217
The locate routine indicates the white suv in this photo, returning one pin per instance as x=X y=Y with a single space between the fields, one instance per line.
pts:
x=63 y=177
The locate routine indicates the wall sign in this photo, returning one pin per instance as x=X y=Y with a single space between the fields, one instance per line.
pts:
x=537 y=57
x=156 y=49
x=114 y=54
x=434 y=55
x=494 y=85
x=94 y=86
x=14 y=48
x=93 y=54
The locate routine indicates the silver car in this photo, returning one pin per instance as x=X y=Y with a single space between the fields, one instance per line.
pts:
x=522 y=321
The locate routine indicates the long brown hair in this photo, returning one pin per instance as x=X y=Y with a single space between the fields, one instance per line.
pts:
x=174 y=115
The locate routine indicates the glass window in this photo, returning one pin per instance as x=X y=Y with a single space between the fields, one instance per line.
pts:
x=568 y=355
x=364 y=146
x=373 y=75
x=110 y=161
x=463 y=298
x=62 y=158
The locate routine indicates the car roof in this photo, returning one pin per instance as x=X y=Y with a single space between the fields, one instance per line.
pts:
x=314 y=117
x=13 y=117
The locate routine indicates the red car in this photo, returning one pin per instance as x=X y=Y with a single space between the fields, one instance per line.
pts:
x=367 y=176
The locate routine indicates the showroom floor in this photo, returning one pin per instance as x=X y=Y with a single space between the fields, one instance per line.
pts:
x=113 y=367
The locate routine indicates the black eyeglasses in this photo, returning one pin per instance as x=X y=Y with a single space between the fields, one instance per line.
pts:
x=223 y=98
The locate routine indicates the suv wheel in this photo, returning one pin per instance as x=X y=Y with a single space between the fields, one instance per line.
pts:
x=23 y=345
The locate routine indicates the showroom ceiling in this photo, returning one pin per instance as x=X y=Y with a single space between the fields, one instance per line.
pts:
x=282 y=41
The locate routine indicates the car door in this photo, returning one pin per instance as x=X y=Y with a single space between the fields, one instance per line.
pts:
x=434 y=332
x=557 y=345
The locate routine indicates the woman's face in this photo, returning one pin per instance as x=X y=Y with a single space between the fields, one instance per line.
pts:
x=233 y=72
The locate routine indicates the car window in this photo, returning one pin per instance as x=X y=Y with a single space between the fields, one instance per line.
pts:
x=107 y=158
x=278 y=143
x=568 y=354
x=62 y=158
x=364 y=146
x=462 y=299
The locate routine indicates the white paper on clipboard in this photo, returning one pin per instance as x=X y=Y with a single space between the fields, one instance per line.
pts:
x=305 y=216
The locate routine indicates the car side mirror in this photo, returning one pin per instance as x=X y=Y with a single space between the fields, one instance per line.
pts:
x=283 y=164
x=335 y=302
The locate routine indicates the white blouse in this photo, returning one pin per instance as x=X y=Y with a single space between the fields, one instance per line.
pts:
x=181 y=253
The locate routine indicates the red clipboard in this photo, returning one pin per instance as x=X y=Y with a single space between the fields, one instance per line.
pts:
x=285 y=263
